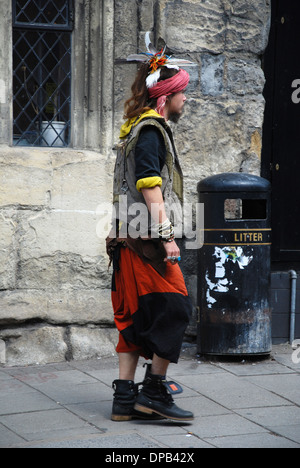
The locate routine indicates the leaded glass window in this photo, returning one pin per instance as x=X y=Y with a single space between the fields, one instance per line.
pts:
x=42 y=31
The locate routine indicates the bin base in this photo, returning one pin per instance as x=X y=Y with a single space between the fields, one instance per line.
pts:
x=237 y=355
x=235 y=340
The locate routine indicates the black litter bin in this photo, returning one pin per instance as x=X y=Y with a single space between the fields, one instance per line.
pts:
x=234 y=266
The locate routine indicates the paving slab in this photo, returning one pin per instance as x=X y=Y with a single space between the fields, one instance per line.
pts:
x=287 y=386
x=130 y=440
x=225 y=425
x=39 y=425
x=233 y=392
x=266 y=440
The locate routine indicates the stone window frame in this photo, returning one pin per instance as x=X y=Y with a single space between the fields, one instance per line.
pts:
x=93 y=60
x=93 y=76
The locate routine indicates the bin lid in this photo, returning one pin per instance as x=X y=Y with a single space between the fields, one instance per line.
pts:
x=234 y=182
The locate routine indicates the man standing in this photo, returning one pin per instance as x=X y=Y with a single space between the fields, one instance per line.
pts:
x=149 y=296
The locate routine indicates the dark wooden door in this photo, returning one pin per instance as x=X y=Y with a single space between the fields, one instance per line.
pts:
x=281 y=138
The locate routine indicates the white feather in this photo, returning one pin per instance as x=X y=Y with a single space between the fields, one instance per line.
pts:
x=150 y=48
x=137 y=58
x=178 y=62
x=147 y=40
x=172 y=66
x=153 y=79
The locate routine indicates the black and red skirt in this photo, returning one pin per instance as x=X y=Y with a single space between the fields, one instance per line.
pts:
x=151 y=312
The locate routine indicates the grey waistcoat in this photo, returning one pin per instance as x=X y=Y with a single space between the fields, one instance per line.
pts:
x=134 y=217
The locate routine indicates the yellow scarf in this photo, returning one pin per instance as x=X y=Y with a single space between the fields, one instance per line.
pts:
x=126 y=127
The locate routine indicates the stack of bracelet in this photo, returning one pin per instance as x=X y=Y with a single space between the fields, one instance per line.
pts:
x=166 y=231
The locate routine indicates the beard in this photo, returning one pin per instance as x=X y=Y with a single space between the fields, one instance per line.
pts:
x=174 y=117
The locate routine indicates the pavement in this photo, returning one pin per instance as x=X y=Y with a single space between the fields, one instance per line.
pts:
x=241 y=403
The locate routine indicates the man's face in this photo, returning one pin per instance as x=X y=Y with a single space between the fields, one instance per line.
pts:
x=176 y=105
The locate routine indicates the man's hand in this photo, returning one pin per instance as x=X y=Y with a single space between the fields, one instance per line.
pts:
x=172 y=250
x=156 y=206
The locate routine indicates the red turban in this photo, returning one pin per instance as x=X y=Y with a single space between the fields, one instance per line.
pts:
x=165 y=88
x=170 y=86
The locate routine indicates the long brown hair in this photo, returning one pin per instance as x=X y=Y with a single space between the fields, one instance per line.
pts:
x=139 y=102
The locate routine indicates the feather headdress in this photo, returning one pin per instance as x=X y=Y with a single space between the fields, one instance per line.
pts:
x=156 y=60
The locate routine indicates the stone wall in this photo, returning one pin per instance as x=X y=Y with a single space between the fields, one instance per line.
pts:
x=54 y=281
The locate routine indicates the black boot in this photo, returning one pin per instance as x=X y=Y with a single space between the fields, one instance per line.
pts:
x=125 y=396
x=155 y=397
x=126 y=392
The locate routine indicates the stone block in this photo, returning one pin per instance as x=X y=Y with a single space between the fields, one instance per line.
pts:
x=31 y=346
x=91 y=343
x=146 y=15
x=7 y=251
x=215 y=26
x=79 y=307
x=126 y=26
x=45 y=233
x=245 y=77
x=225 y=133
x=248 y=26
x=193 y=86
x=19 y=306
x=80 y=184
x=190 y=26
x=65 y=271
x=2 y=352
x=61 y=249
x=25 y=177
x=212 y=75
x=46 y=344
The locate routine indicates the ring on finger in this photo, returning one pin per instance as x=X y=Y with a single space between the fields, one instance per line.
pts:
x=174 y=259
